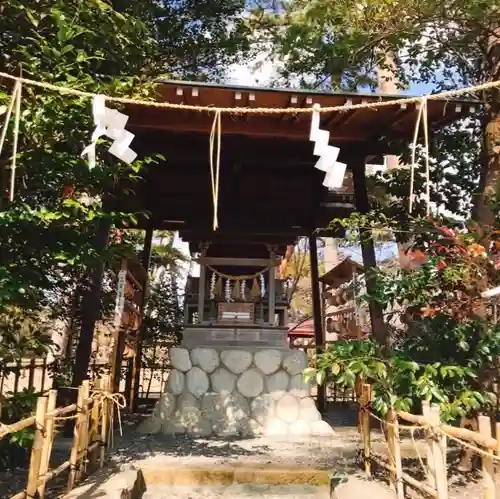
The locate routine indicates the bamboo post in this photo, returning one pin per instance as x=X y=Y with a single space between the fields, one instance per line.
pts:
x=467 y=456
x=84 y=433
x=366 y=397
x=438 y=445
x=73 y=458
x=431 y=471
x=47 y=443
x=38 y=443
x=94 y=427
x=395 y=451
x=497 y=436
x=105 y=384
x=484 y=424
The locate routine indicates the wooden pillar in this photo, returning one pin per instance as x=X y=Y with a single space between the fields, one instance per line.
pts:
x=272 y=288
x=146 y=262
x=91 y=307
x=367 y=246
x=201 y=292
x=316 y=307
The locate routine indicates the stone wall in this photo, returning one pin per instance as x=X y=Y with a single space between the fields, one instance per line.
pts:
x=231 y=392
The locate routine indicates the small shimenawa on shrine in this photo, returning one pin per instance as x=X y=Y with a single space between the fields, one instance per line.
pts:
x=241 y=188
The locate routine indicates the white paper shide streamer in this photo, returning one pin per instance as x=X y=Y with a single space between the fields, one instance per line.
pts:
x=212 y=286
x=327 y=162
x=120 y=297
x=110 y=123
x=227 y=290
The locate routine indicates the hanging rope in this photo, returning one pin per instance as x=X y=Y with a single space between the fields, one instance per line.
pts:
x=238 y=277
x=7 y=116
x=254 y=110
x=14 y=105
x=414 y=151
x=426 y=146
x=215 y=135
x=17 y=118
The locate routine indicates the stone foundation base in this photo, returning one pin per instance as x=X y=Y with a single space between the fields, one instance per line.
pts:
x=236 y=392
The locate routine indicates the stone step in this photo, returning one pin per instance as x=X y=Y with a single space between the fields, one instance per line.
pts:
x=239 y=491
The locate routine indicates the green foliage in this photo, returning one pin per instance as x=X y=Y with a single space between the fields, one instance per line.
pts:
x=341 y=44
x=398 y=381
x=449 y=44
x=48 y=232
x=444 y=345
x=14 y=449
x=163 y=320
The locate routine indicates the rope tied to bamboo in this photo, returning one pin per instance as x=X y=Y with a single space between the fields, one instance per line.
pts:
x=437 y=429
x=117 y=400
x=253 y=110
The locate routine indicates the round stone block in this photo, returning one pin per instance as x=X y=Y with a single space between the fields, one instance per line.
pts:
x=205 y=358
x=179 y=358
x=250 y=428
x=354 y=486
x=262 y=408
x=321 y=429
x=226 y=429
x=165 y=407
x=277 y=384
x=237 y=361
x=188 y=413
x=309 y=411
x=237 y=407
x=276 y=427
x=186 y=401
x=298 y=387
x=250 y=383
x=174 y=426
x=300 y=428
x=295 y=362
x=268 y=361
x=175 y=382
x=202 y=428
x=223 y=381
x=197 y=382
x=213 y=406
x=150 y=426
x=287 y=408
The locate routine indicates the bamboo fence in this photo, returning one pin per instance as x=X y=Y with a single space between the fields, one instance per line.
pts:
x=434 y=458
x=93 y=414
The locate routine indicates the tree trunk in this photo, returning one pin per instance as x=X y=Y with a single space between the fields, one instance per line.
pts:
x=489 y=186
x=91 y=308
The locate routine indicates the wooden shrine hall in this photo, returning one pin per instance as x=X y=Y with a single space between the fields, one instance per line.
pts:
x=269 y=194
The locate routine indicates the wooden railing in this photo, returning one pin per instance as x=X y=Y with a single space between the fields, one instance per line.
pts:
x=93 y=416
x=434 y=458
x=25 y=374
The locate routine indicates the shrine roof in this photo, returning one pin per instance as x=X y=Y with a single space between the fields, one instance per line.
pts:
x=351 y=125
x=342 y=272
x=270 y=191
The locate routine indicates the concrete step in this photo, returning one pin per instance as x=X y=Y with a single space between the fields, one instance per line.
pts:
x=238 y=491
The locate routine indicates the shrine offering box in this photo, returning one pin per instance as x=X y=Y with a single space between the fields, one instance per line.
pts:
x=236 y=313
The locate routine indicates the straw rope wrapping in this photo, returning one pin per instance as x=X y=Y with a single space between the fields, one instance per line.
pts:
x=215 y=136
x=116 y=399
x=14 y=105
x=254 y=110
x=412 y=430
x=238 y=277
x=439 y=430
